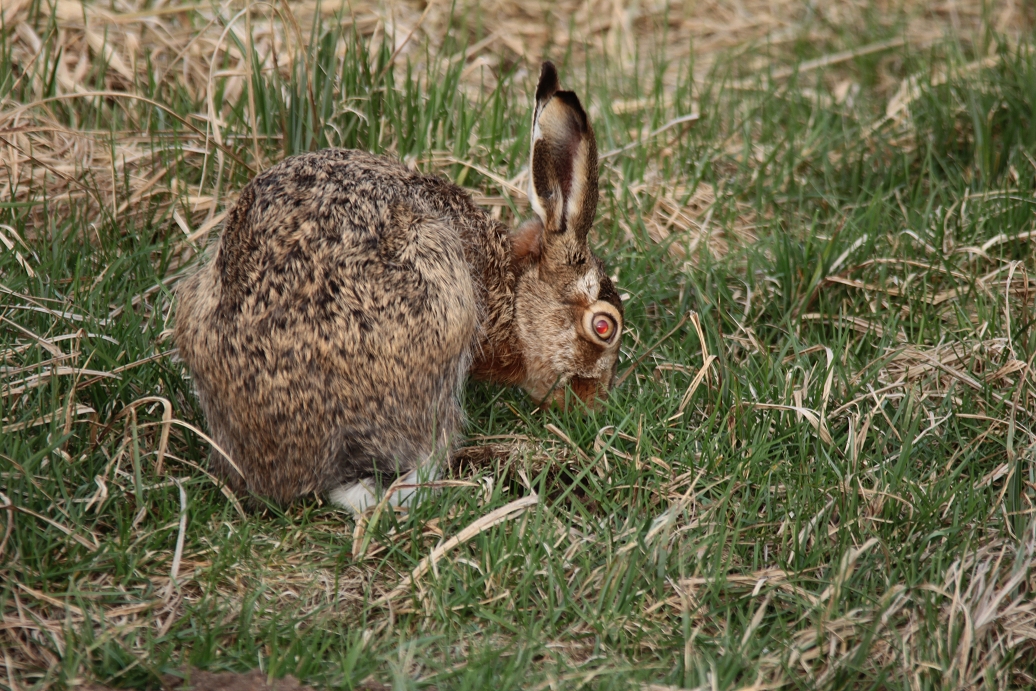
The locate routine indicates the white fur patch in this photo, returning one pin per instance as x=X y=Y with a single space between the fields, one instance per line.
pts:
x=358 y=497
x=537 y=134
x=589 y=285
x=355 y=498
x=574 y=203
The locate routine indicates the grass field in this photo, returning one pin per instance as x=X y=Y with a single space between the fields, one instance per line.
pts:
x=818 y=472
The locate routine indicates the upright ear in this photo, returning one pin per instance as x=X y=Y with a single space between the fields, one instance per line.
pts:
x=563 y=180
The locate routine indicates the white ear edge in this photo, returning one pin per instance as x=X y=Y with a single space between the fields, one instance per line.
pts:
x=537 y=134
x=574 y=203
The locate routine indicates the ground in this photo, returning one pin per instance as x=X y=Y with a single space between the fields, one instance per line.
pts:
x=819 y=470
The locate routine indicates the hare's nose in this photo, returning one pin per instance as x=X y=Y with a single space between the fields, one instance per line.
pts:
x=588 y=391
x=586 y=388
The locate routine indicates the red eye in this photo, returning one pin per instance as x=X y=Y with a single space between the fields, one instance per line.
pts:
x=604 y=326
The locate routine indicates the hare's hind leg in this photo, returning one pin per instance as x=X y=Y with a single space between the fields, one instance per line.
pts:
x=359 y=496
x=402 y=374
x=355 y=498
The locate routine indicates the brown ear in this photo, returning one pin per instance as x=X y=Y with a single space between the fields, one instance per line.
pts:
x=525 y=241
x=563 y=180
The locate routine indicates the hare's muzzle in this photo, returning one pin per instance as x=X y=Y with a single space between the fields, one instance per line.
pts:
x=588 y=391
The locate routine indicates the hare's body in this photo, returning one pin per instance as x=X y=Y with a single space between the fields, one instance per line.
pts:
x=372 y=384
x=349 y=299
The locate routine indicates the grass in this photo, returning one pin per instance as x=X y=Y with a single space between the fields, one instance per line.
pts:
x=845 y=499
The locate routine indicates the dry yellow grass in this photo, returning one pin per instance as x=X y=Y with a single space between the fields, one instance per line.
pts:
x=190 y=45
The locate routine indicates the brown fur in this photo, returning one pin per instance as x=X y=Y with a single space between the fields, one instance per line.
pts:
x=350 y=297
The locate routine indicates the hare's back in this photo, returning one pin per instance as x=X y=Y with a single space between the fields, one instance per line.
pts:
x=334 y=325
x=348 y=238
x=334 y=281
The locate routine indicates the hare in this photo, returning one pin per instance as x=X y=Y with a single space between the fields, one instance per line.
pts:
x=349 y=298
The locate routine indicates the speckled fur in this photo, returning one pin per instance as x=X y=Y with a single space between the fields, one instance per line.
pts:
x=349 y=298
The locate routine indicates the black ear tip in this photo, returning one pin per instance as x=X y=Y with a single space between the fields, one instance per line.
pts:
x=572 y=101
x=548 y=81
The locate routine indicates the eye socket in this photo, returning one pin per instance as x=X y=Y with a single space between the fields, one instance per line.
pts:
x=603 y=326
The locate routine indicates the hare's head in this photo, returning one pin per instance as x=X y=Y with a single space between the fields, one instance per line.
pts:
x=569 y=315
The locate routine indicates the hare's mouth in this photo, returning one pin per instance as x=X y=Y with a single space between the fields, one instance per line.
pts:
x=588 y=391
